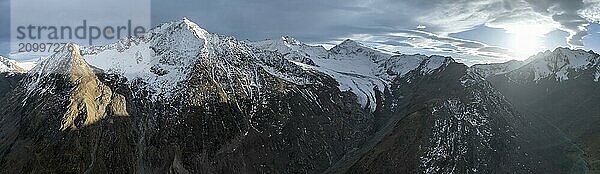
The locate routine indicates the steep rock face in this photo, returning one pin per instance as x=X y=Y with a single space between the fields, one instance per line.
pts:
x=559 y=90
x=44 y=112
x=445 y=122
x=89 y=95
x=88 y=98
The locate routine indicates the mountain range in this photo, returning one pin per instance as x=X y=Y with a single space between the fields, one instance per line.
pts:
x=183 y=100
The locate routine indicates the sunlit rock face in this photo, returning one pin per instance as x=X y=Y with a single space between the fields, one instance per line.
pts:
x=89 y=98
x=183 y=100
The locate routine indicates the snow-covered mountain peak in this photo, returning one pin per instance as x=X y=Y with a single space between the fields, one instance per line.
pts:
x=288 y=44
x=285 y=44
x=349 y=43
x=565 y=57
x=347 y=46
x=434 y=62
x=292 y=49
x=352 y=49
x=169 y=57
x=491 y=69
x=197 y=30
x=400 y=65
x=66 y=64
x=162 y=58
x=9 y=66
x=62 y=62
x=66 y=75
x=288 y=40
x=561 y=64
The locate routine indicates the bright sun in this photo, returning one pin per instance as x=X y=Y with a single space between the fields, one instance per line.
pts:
x=525 y=45
x=525 y=42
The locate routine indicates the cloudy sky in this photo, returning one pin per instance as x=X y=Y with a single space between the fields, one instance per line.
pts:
x=469 y=30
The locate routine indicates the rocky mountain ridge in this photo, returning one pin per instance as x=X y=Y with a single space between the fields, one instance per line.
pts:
x=182 y=100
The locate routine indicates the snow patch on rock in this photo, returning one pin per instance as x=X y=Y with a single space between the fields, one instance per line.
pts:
x=9 y=66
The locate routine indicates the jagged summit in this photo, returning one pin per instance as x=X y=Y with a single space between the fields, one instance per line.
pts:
x=562 y=64
x=197 y=30
x=62 y=62
x=163 y=57
x=290 y=40
x=68 y=76
x=570 y=56
x=490 y=69
x=175 y=54
x=353 y=49
x=285 y=44
x=566 y=49
x=293 y=49
x=347 y=45
x=557 y=63
x=67 y=63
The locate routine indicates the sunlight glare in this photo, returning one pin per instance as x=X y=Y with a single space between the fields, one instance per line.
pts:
x=525 y=42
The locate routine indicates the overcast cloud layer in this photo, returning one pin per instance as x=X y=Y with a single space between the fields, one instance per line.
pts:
x=397 y=25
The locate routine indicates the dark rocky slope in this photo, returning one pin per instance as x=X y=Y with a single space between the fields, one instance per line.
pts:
x=559 y=91
x=182 y=100
x=451 y=121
